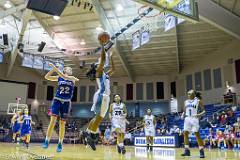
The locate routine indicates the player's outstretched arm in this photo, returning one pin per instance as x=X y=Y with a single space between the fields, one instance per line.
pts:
x=60 y=74
x=112 y=70
x=49 y=76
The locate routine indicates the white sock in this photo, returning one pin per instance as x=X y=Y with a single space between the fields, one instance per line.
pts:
x=186 y=146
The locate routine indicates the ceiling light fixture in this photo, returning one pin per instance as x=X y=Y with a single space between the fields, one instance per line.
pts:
x=99 y=28
x=56 y=18
x=119 y=7
x=8 y=4
x=83 y=42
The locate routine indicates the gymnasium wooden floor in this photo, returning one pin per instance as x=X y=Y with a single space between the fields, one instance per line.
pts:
x=75 y=152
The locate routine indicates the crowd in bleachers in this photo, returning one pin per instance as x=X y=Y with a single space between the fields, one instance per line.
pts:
x=218 y=119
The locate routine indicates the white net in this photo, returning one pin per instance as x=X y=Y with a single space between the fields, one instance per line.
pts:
x=13 y=107
x=155 y=23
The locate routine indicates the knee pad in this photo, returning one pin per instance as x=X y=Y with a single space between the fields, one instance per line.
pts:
x=104 y=105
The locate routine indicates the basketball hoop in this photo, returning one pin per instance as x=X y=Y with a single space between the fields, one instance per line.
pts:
x=156 y=19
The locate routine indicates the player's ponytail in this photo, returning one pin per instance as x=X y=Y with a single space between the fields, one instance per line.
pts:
x=198 y=95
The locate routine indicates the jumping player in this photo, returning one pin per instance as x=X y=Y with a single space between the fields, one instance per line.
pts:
x=149 y=127
x=16 y=126
x=191 y=122
x=101 y=99
x=237 y=134
x=62 y=102
x=118 y=114
x=26 y=128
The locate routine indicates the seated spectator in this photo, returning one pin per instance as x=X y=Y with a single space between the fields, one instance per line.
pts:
x=215 y=120
x=175 y=130
x=223 y=118
x=221 y=140
x=230 y=112
x=158 y=132
x=211 y=139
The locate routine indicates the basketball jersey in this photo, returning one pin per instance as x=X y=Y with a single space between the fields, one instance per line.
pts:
x=149 y=121
x=103 y=83
x=26 y=122
x=65 y=89
x=17 y=120
x=118 y=111
x=192 y=107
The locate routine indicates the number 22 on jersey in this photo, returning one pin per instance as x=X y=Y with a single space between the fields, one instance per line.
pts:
x=64 y=90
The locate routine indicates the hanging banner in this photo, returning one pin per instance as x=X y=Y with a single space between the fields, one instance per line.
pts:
x=136 y=41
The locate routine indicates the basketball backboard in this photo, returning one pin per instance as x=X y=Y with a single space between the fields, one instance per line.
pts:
x=13 y=107
x=185 y=9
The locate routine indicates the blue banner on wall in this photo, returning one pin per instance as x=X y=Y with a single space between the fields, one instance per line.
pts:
x=161 y=141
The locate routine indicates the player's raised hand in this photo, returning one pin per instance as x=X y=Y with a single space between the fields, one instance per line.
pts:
x=53 y=66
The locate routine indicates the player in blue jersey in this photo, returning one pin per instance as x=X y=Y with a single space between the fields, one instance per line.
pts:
x=61 y=104
x=100 y=72
x=26 y=128
x=16 y=126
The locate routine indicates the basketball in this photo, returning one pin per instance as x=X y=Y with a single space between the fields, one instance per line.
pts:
x=103 y=37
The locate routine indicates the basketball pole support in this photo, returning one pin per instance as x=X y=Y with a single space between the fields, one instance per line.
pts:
x=24 y=22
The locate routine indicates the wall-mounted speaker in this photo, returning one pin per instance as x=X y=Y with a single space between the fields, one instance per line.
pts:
x=41 y=46
x=5 y=39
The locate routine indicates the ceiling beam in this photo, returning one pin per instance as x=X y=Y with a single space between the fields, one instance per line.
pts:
x=219 y=17
x=107 y=25
x=12 y=10
x=25 y=19
x=234 y=5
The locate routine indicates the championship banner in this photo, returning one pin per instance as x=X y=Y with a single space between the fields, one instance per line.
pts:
x=161 y=141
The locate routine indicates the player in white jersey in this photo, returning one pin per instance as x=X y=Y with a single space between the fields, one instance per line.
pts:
x=118 y=114
x=149 y=128
x=101 y=72
x=191 y=123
